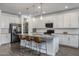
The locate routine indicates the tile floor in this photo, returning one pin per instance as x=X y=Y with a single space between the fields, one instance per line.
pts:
x=14 y=49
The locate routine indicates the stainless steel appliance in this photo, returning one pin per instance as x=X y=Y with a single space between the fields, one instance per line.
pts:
x=14 y=29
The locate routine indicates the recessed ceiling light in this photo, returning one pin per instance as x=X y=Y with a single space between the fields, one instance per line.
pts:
x=66 y=7
x=39 y=7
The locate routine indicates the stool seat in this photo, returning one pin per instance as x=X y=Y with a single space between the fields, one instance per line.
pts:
x=22 y=37
x=38 y=40
x=28 y=38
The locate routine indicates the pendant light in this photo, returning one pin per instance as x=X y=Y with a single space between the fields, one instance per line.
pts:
x=33 y=12
x=41 y=17
x=27 y=15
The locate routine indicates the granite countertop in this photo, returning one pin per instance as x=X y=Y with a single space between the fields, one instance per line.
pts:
x=40 y=35
x=63 y=34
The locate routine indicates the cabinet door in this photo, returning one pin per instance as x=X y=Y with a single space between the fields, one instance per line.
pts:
x=6 y=21
x=74 y=41
x=5 y=38
x=67 y=20
x=61 y=39
x=65 y=40
x=0 y=39
x=74 y=20
x=17 y=20
x=55 y=25
x=11 y=19
x=60 y=21
x=1 y=21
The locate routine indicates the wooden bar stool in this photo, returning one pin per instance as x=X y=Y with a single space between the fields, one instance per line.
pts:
x=29 y=43
x=22 y=37
x=28 y=39
x=38 y=41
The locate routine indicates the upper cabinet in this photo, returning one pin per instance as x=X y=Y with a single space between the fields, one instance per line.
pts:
x=4 y=20
x=74 y=20
x=17 y=20
x=58 y=21
x=71 y=20
x=64 y=20
x=67 y=20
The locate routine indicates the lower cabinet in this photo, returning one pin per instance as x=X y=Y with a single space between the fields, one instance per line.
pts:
x=69 y=40
x=0 y=40
x=5 y=38
x=74 y=41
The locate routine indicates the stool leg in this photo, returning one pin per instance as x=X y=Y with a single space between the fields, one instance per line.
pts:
x=30 y=47
x=39 y=49
x=22 y=49
x=36 y=49
x=25 y=43
x=46 y=47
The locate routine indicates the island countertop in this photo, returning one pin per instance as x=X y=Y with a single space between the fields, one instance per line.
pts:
x=39 y=35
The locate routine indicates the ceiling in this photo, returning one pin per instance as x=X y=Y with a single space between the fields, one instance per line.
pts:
x=15 y=8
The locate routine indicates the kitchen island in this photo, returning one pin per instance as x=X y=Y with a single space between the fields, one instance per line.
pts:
x=52 y=44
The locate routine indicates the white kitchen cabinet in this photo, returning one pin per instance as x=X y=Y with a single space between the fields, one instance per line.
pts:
x=39 y=23
x=5 y=38
x=71 y=20
x=0 y=21
x=48 y=19
x=55 y=24
x=17 y=19
x=74 y=41
x=0 y=39
x=6 y=21
x=74 y=21
x=60 y=21
x=60 y=39
x=64 y=39
x=8 y=38
x=67 y=20
x=69 y=40
x=12 y=19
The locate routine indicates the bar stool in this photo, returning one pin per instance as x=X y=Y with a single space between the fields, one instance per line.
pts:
x=29 y=43
x=22 y=37
x=38 y=41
